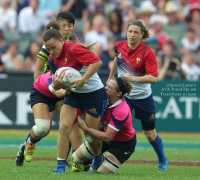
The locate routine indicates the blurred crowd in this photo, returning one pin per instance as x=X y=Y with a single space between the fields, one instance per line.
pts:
x=174 y=26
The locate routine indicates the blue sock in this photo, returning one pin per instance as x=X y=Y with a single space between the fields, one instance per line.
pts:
x=159 y=149
x=61 y=164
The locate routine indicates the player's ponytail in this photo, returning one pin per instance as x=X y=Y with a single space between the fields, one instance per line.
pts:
x=53 y=24
x=143 y=29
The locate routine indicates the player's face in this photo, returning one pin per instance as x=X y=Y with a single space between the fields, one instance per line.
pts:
x=111 y=89
x=66 y=28
x=134 y=34
x=54 y=46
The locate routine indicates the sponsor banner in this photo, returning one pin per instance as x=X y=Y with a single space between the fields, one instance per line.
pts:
x=177 y=104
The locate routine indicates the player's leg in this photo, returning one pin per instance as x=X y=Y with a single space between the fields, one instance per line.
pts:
x=94 y=144
x=81 y=158
x=109 y=165
x=116 y=155
x=39 y=130
x=67 y=116
x=156 y=142
x=145 y=111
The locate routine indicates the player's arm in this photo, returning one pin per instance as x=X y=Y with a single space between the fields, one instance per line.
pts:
x=39 y=65
x=141 y=79
x=150 y=67
x=106 y=136
x=87 y=58
x=113 y=70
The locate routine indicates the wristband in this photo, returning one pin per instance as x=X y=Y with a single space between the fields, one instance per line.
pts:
x=50 y=88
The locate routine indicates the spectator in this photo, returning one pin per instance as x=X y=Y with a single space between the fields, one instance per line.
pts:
x=2 y=66
x=161 y=6
x=115 y=22
x=197 y=57
x=174 y=28
x=145 y=11
x=157 y=22
x=103 y=55
x=49 y=8
x=102 y=6
x=18 y=5
x=8 y=16
x=191 y=69
x=12 y=57
x=171 y=68
x=3 y=44
x=131 y=16
x=98 y=34
x=190 y=43
x=184 y=8
x=77 y=7
x=31 y=59
x=30 y=18
x=195 y=15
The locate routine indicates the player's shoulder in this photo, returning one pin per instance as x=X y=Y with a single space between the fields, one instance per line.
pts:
x=119 y=44
x=146 y=49
x=121 y=111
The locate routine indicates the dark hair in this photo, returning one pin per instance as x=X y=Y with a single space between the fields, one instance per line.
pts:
x=120 y=21
x=51 y=33
x=142 y=29
x=66 y=15
x=126 y=84
x=53 y=24
x=190 y=30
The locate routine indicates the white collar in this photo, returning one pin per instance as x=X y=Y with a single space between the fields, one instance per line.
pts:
x=116 y=103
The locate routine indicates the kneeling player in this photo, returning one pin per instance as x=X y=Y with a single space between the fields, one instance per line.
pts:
x=117 y=133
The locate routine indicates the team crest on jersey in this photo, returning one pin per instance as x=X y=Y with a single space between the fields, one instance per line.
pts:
x=137 y=60
x=119 y=56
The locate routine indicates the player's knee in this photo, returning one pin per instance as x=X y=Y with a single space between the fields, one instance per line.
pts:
x=111 y=165
x=75 y=159
x=41 y=127
x=86 y=150
x=89 y=138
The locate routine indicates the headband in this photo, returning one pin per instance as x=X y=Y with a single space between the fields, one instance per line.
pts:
x=121 y=85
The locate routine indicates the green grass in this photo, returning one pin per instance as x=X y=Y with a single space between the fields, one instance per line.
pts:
x=40 y=170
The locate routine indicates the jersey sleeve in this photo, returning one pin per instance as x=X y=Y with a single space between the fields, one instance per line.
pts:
x=118 y=118
x=43 y=54
x=51 y=64
x=150 y=63
x=83 y=55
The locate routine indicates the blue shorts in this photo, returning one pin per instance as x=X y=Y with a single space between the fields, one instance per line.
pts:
x=94 y=103
x=144 y=108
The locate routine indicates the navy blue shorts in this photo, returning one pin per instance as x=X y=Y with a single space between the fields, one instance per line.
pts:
x=144 y=108
x=94 y=103
x=37 y=97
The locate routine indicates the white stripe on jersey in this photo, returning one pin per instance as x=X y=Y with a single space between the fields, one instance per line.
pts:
x=139 y=91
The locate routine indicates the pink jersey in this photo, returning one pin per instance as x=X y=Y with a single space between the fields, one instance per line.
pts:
x=42 y=83
x=119 y=117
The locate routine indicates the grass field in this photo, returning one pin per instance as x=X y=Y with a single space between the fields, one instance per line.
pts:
x=182 y=150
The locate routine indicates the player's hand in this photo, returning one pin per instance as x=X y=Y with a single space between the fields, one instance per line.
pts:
x=68 y=91
x=82 y=123
x=58 y=81
x=78 y=83
x=127 y=75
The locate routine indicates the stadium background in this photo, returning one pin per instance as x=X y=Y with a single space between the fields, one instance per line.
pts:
x=175 y=40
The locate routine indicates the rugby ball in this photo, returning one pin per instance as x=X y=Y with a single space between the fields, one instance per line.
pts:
x=70 y=75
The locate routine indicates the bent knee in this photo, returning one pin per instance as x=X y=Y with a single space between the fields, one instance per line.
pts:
x=41 y=127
